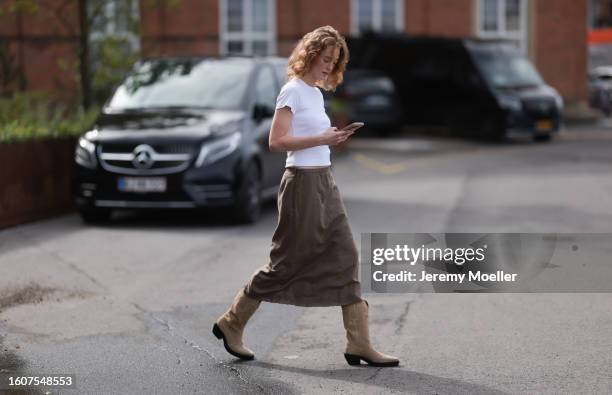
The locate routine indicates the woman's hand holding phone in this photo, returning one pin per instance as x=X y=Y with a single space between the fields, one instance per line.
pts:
x=334 y=136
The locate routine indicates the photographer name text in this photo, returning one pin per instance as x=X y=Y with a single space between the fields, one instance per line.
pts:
x=478 y=276
x=458 y=256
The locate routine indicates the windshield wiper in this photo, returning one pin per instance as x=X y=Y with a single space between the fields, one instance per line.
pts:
x=170 y=108
x=161 y=108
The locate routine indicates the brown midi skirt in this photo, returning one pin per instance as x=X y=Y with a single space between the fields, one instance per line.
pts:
x=313 y=260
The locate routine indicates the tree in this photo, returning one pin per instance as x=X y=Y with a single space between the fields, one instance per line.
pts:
x=60 y=12
x=9 y=69
x=103 y=55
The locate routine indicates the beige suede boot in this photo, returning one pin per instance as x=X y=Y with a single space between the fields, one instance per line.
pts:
x=230 y=325
x=358 y=347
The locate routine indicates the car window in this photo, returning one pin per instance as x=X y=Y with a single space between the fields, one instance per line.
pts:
x=265 y=88
x=209 y=83
x=281 y=73
x=505 y=68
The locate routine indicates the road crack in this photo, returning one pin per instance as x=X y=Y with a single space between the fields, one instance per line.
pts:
x=401 y=320
x=224 y=365
x=375 y=374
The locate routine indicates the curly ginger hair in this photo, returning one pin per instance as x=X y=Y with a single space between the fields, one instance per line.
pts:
x=311 y=46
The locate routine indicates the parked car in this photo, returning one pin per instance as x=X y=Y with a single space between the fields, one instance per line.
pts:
x=600 y=89
x=183 y=133
x=476 y=87
x=367 y=96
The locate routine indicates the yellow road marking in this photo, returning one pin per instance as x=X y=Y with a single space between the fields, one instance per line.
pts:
x=379 y=166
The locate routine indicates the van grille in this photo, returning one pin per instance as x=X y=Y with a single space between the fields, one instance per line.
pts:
x=145 y=159
x=540 y=106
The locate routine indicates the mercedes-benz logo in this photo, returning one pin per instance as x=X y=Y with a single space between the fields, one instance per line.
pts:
x=143 y=157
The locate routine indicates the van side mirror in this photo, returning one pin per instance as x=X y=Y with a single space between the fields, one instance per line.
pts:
x=261 y=111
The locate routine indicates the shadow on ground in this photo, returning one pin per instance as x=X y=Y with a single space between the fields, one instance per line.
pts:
x=395 y=379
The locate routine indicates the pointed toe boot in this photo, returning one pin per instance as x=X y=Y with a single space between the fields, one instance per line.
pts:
x=358 y=346
x=230 y=326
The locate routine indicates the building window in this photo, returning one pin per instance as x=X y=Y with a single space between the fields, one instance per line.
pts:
x=248 y=27
x=600 y=14
x=505 y=19
x=377 y=15
x=114 y=43
x=117 y=19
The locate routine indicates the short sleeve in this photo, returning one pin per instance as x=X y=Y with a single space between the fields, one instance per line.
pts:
x=288 y=97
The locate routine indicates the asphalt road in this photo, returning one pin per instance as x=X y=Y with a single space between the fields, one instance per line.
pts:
x=128 y=307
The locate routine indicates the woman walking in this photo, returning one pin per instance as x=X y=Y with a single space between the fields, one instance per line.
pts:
x=313 y=260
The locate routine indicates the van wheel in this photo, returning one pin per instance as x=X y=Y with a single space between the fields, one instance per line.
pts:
x=247 y=207
x=95 y=215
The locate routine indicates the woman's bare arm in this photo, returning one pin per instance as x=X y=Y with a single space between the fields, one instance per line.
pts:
x=280 y=140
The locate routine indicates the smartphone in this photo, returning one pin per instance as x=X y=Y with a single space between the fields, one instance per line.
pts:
x=353 y=126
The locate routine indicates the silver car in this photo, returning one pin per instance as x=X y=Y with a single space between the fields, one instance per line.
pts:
x=600 y=89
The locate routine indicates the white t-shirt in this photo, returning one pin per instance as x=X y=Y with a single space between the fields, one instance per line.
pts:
x=309 y=119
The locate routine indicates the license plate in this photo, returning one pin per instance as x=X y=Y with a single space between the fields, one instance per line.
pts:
x=544 y=125
x=141 y=184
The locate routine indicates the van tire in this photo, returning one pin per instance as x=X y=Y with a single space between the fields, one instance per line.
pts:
x=247 y=208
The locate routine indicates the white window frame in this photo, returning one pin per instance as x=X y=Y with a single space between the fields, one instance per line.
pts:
x=110 y=30
x=247 y=35
x=501 y=32
x=376 y=16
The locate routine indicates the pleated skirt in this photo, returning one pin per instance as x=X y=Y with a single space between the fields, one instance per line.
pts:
x=313 y=257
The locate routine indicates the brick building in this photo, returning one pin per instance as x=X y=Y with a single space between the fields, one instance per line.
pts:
x=37 y=47
x=552 y=33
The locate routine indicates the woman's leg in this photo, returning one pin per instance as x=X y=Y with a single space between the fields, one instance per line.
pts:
x=358 y=347
x=230 y=325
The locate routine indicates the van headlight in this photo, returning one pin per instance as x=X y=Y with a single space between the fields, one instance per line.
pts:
x=214 y=150
x=510 y=103
x=85 y=153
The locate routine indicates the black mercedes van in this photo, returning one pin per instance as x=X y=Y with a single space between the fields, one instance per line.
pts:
x=475 y=87
x=183 y=133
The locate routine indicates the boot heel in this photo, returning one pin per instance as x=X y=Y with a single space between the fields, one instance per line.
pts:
x=217 y=332
x=352 y=359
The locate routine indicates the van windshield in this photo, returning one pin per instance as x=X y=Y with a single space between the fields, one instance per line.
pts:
x=184 y=83
x=506 y=69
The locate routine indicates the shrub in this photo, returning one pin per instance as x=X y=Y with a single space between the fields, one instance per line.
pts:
x=32 y=115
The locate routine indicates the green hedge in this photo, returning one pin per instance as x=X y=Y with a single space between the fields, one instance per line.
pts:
x=32 y=115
